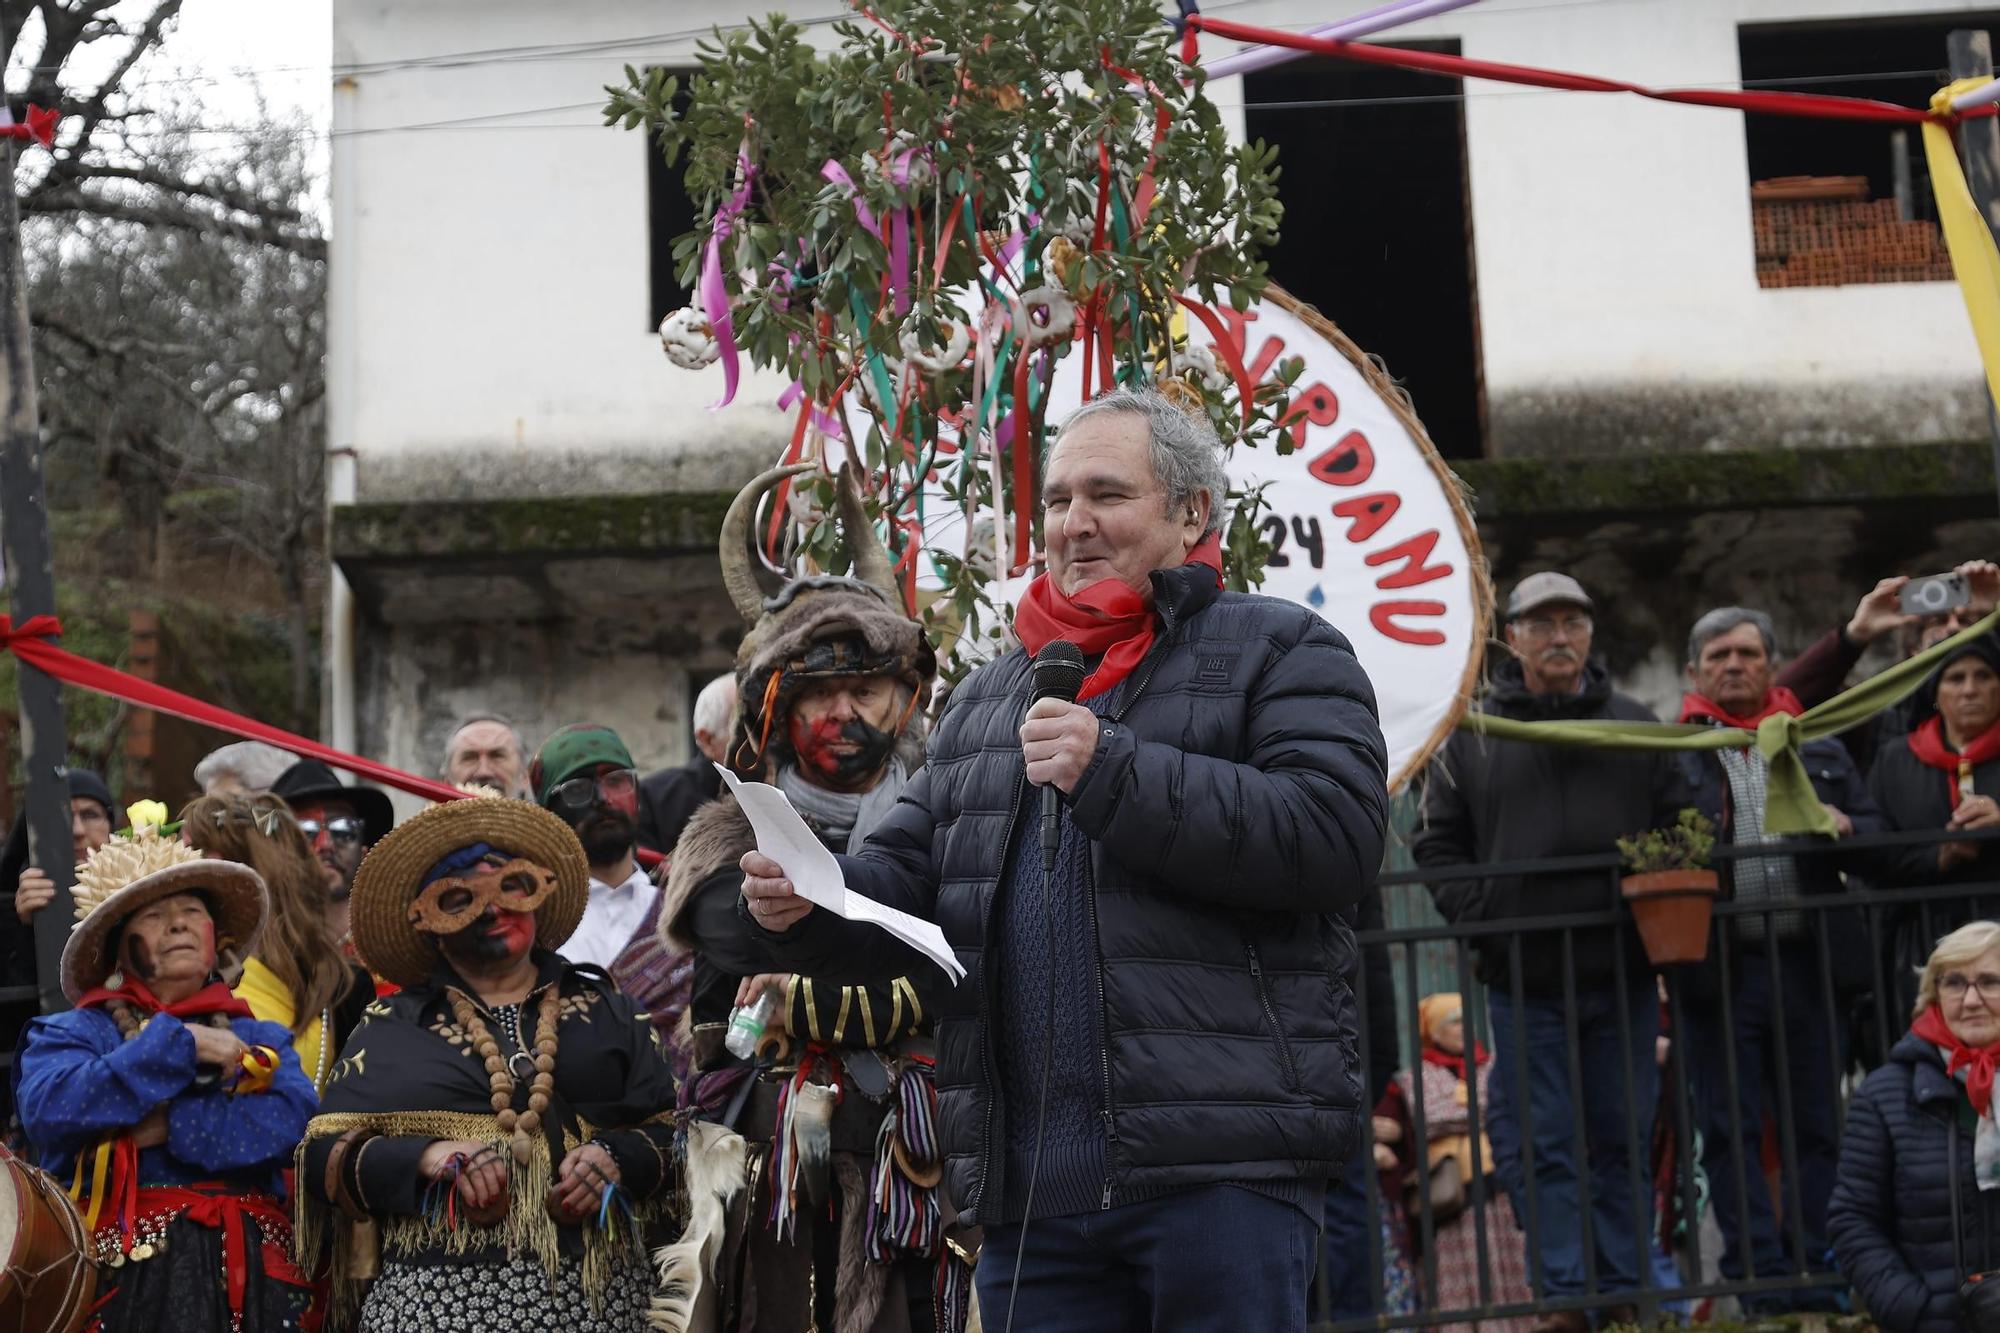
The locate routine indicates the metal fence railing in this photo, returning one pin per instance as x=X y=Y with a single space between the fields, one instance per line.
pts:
x=1814 y=988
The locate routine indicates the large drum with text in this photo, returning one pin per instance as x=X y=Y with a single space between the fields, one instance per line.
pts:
x=49 y=1279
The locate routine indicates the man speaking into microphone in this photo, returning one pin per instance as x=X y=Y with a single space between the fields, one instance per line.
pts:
x=1150 y=1069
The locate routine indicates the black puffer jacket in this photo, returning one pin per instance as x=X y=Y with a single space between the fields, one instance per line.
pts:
x=1909 y=1134
x=1488 y=800
x=1237 y=808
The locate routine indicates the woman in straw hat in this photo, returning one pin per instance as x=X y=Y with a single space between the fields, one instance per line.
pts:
x=171 y=1108
x=493 y=1136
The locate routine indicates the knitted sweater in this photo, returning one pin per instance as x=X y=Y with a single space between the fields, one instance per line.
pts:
x=1048 y=942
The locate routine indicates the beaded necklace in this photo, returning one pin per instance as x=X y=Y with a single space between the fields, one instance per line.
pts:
x=502 y=1072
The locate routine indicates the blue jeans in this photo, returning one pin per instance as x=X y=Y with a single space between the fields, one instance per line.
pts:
x=1542 y=1115
x=1214 y=1258
x=1814 y=1042
x=1350 y=1280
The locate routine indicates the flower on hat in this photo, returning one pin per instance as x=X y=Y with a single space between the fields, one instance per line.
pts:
x=146 y=814
x=123 y=861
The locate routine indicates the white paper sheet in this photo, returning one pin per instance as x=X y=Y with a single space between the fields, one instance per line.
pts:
x=815 y=875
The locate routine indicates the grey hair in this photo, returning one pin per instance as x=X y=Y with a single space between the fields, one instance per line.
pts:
x=1187 y=453
x=514 y=732
x=254 y=763
x=1724 y=619
x=715 y=705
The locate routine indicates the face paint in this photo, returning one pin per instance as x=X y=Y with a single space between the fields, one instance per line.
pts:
x=141 y=959
x=841 y=752
x=494 y=938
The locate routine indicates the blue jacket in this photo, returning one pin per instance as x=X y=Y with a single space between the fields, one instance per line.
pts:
x=1908 y=1140
x=78 y=1080
x=1236 y=808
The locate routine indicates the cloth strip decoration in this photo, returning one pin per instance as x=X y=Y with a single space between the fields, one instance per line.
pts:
x=40 y=126
x=1790 y=806
x=903 y=1215
x=715 y=296
x=1974 y=260
x=30 y=643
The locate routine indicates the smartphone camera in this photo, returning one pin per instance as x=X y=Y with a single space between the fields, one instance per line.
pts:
x=1934 y=596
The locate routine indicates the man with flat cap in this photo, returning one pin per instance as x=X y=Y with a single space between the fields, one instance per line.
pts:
x=1490 y=800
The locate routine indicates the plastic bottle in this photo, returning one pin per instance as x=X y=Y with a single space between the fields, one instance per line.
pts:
x=747 y=1024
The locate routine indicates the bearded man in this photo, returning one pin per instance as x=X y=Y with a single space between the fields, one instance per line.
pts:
x=846 y=1232
x=494 y=1136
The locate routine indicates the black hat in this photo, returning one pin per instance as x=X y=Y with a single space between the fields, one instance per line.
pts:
x=309 y=780
x=84 y=783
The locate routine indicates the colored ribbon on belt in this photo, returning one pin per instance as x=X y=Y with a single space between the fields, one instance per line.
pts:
x=225 y=1212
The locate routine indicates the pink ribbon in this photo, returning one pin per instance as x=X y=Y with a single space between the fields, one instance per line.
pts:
x=715 y=296
x=827 y=424
x=898 y=239
x=836 y=173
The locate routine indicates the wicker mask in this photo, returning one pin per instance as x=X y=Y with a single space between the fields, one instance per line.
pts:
x=449 y=905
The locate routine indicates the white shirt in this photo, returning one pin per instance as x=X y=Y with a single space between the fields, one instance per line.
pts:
x=611 y=917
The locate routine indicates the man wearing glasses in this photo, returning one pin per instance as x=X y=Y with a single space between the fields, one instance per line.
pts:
x=341 y=823
x=584 y=774
x=1493 y=801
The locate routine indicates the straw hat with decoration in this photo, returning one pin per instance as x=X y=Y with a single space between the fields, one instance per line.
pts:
x=393 y=873
x=132 y=872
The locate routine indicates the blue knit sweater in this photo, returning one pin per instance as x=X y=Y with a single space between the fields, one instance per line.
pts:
x=1047 y=939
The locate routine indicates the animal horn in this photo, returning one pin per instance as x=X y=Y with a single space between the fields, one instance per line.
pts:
x=738 y=575
x=872 y=564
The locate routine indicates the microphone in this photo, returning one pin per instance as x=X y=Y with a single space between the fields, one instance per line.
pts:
x=1058 y=674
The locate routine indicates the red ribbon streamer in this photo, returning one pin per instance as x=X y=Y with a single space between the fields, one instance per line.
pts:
x=1820 y=106
x=31 y=644
x=40 y=127
x=1226 y=349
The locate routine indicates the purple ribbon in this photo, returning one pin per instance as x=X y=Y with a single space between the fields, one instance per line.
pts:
x=714 y=296
x=1367 y=23
x=827 y=424
x=898 y=239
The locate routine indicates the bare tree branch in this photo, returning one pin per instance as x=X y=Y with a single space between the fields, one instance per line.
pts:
x=255 y=230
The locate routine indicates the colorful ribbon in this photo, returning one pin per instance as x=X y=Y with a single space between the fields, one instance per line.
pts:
x=714 y=295
x=1975 y=261
x=40 y=127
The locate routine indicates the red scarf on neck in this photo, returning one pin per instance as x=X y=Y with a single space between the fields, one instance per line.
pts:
x=1778 y=699
x=1929 y=745
x=1455 y=1063
x=214 y=998
x=1107 y=620
x=1977 y=1061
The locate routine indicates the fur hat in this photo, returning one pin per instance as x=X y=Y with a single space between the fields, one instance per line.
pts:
x=817 y=626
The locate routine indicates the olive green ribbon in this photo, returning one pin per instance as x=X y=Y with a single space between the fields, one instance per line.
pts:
x=1790 y=804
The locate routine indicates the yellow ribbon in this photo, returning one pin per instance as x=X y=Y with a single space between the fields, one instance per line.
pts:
x=260 y=1065
x=100 y=1171
x=1975 y=261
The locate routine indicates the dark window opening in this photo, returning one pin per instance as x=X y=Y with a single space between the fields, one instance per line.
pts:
x=670 y=213
x=1378 y=223
x=1838 y=202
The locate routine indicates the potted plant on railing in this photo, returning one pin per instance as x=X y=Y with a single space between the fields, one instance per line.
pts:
x=1671 y=888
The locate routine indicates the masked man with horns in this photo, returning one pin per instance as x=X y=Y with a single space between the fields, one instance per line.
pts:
x=812 y=1173
x=170 y=1106
x=494 y=1135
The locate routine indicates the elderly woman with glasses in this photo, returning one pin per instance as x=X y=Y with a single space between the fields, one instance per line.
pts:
x=1916 y=1200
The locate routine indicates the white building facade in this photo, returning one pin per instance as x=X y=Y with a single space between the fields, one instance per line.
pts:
x=522 y=485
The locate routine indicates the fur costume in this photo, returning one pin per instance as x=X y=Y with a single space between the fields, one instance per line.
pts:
x=735 y=1267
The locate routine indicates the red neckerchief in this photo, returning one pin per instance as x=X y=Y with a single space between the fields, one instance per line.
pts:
x=1107 y=620
x=1928 y=744
x=1977 y=1061
x=1777 y=699
x=214 y=998
x=1455 y=1063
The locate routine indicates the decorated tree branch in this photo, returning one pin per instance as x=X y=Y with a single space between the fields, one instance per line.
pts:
x=918 y=224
